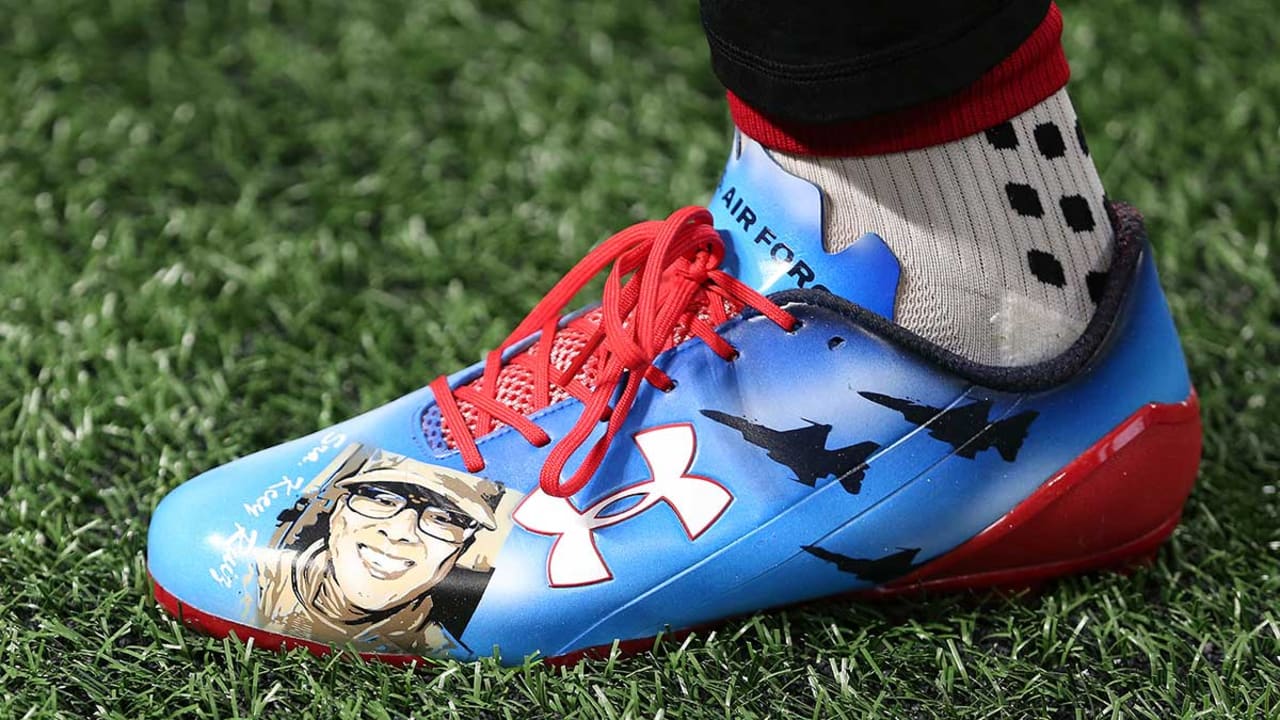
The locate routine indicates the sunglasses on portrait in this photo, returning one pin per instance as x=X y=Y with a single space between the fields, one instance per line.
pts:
x=437 y=517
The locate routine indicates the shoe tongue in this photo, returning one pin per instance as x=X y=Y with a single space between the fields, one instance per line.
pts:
x=771 y=222
x=772 y=225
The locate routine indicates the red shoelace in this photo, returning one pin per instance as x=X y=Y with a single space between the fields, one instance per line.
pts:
x=662 y=271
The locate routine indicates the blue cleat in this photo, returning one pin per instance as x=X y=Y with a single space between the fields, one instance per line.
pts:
x=738 y=425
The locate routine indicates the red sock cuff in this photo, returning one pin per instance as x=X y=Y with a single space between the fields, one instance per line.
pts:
x=1035 y=71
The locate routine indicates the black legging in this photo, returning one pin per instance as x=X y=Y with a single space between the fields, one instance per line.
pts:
x=819 y=61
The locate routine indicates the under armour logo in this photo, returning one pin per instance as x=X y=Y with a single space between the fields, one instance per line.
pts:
x=668 y=451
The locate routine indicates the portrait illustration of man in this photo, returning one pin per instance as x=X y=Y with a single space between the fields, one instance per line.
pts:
x=383 y=552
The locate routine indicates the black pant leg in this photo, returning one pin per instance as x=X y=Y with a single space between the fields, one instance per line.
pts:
x=820 y=61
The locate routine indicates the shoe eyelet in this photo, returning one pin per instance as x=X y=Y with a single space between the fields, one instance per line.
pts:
x=795 y=328
x=674 y=384
x=835 y=342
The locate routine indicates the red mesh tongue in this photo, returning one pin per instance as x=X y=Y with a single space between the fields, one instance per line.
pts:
x=515 y=381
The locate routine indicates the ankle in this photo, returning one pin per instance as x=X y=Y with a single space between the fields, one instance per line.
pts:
x=1002 y=235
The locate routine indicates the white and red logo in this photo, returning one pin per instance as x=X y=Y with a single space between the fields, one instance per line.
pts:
x=668 y=451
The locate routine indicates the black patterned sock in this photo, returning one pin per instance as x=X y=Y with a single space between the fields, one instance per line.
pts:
x=1003 y=236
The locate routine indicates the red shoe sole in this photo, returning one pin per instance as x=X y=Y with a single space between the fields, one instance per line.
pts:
x=1109 y=509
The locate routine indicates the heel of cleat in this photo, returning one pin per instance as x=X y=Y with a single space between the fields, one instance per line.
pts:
x=1110 y=509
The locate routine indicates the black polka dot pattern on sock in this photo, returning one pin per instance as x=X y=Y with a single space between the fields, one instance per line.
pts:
x=1046 y=268
x=1084 y=144
x=1097 y=282
x=1048 y=145
x=1003 y=137
x=1024 y=200
x=1075 y=210
x=1049 y=140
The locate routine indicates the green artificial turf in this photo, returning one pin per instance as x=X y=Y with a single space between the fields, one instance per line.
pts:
x=225 y=223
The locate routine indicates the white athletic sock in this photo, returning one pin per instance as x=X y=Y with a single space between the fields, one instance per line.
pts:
x=1003 y=236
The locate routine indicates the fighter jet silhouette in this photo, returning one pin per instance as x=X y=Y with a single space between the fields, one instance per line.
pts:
x=870 y=569
x=804 y=451
x=968 y=428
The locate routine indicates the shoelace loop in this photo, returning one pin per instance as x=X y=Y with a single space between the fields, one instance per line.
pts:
x=659 y=268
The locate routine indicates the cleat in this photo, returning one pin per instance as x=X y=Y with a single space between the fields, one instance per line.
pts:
x=738 y=425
